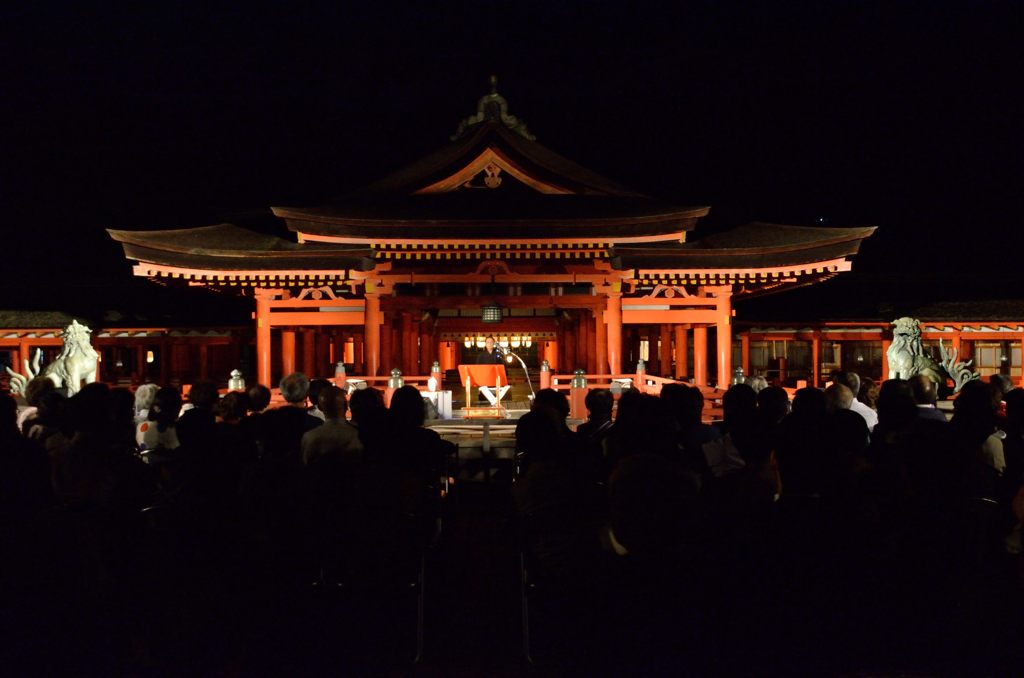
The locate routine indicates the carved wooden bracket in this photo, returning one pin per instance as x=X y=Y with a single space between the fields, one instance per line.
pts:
x=669 y=291
x=317 y=293
x=492 y=267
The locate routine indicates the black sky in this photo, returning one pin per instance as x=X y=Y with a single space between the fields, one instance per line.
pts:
x=162 y=115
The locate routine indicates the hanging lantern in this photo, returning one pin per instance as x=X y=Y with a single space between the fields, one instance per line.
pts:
x=468 y=342
x=491 y=313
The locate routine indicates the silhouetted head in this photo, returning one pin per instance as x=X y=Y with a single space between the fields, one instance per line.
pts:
x=538 y=436
x=121 y=407
x=809 y=401
x=922 y=390
x=838 y=397
x=756 y=382
x=739 y=405
x=773 y=403
x=52 y=408
x=232 y=407
x=975 y=407
x=630 y=403
x=555 y=401
x=896 y=406
x=599 y=402
x=686 y=404
x=166 y=406
x=366 y=404
x=259 y=398
x=332 y=402
x=36 y=389
x=407 y=406
x=89 y=409
x=1001 y=382
x=204 y=395
x=868 y=393
x=295 y=388
x=315 y=387
x=850 y=380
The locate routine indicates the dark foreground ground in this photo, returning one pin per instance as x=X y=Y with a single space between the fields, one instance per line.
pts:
x=184 y=620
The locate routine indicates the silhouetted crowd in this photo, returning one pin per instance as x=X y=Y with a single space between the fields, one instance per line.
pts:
x=821 y=535
x=143 y=535
x=846 y=529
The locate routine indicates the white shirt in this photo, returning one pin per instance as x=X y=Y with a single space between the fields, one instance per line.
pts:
x=870 y=416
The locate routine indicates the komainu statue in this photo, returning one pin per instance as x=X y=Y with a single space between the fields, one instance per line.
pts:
x=76 y=362
x=907 y=357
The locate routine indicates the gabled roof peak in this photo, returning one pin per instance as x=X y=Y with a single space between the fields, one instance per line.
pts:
x=492 y=108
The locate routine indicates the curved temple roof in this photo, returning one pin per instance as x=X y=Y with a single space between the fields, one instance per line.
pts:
x=495 y=193
x=754 y=245
x=230 y=247
x=493 y=183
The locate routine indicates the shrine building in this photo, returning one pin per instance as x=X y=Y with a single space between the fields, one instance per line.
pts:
x=494 y=234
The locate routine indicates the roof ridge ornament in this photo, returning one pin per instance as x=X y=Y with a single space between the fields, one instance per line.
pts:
x=493 y=107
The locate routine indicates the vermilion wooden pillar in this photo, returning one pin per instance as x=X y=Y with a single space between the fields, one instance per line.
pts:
x=387 y=351
x=262 y=341
x=448 y=354
x=665 y=350
x=287 y=352
x=723 y=340
x=25 y=353
x=700 y=355
x=613 y=318
x=406 y=344
x=353 y=352
x=551 y=354
x=427 y=345
x=745 y=353
x=682 y=349
x=816 y=360
x=600 y=343
x=569 y=348
x=371 y=336
x=583 y=345
x=309 y=366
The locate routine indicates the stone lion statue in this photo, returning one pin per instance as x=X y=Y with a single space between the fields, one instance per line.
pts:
x=75 y=364
x=907 y=358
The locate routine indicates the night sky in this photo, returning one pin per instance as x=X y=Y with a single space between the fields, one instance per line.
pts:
x=164 y=115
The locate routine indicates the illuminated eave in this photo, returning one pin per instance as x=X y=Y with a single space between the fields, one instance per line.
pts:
x=454 y=244
x=764 y=278
x=235 y=278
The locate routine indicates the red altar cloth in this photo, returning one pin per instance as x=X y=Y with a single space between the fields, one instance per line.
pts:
x=483 y=375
